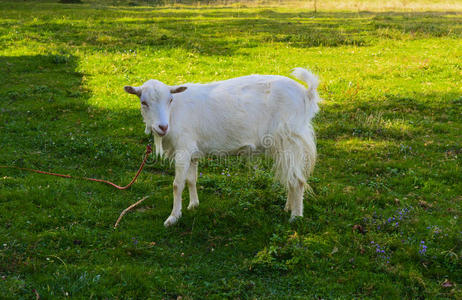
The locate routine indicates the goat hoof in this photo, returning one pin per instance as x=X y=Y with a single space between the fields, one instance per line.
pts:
x=193 y=205
x=295 y=218
x=171 y=221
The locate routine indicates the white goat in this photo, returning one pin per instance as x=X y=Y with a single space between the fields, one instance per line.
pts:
x=260 y=113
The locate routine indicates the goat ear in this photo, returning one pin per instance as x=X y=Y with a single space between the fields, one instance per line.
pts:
x=133 y=90
x=178 y=89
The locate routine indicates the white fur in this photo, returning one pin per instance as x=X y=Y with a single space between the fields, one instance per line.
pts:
x=264 y=113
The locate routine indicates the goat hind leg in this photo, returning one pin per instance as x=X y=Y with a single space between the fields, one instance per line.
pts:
x=288 y=206
x=295 y=198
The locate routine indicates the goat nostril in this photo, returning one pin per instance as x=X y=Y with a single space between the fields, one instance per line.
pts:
x=163 y=127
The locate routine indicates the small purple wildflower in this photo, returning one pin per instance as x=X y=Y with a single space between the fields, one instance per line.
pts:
x=382 y=255
x=423 y=248
x=435 y=229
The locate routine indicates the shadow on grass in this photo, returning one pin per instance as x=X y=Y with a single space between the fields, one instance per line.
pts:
x=223 y=33
x=46 y=121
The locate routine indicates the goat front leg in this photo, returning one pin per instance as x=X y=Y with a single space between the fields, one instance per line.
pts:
x=191 y=179
x=182 y=163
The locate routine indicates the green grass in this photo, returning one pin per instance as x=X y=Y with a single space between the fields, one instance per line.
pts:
x=389 y=142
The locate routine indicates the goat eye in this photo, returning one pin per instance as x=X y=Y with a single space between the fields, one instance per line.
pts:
x=144 y=103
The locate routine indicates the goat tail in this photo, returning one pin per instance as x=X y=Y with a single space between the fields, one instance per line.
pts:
x=312 y=81
x=294 y=155
x=307 y=77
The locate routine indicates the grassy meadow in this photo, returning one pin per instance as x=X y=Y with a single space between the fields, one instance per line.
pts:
x=384 y=219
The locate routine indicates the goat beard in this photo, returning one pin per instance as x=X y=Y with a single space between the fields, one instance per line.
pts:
x=158 y=145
